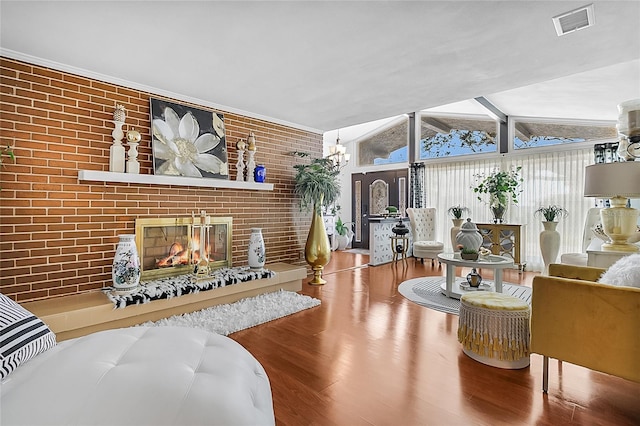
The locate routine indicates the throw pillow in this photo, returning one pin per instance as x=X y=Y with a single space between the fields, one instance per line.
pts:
x=22 y=336
x=625 y=272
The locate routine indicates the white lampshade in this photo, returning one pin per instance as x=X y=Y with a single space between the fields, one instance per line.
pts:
x=608 y=180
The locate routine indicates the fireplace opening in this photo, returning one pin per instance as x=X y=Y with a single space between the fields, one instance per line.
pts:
x=172 y=246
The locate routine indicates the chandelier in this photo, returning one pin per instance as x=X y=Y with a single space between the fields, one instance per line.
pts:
x=338 y=154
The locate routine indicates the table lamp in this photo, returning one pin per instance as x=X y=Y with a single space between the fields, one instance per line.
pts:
x=618 y=182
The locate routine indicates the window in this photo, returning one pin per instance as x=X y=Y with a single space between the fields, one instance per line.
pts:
x=385 y=145
x=450 y=135
x=534 y=133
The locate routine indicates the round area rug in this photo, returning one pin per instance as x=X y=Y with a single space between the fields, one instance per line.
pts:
x=425 y=291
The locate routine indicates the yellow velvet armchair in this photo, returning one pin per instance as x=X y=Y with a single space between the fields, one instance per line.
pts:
x=577 y=320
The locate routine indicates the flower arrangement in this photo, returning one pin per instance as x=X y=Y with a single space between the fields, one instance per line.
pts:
x=550 y=213
x=456 y=212
x=501 y=185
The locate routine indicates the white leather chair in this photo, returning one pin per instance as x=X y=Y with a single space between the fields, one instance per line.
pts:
x=423 y=232
x=589 y=240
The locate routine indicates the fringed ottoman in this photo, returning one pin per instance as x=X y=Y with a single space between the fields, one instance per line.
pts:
x=494 y=329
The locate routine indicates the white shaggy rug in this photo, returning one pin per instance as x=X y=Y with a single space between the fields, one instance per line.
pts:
x=245 y=313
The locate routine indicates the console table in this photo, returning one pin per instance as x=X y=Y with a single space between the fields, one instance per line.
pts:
x=503 y=240
x=379 y=232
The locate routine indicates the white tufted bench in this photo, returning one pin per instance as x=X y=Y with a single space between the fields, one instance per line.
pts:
x=141 y=376
x=423 y=231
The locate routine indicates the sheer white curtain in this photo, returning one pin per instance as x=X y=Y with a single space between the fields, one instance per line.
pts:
x=555 y=177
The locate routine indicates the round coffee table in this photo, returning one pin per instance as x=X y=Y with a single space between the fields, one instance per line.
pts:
x=492 y=261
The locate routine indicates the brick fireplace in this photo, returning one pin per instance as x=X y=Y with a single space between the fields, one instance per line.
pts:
x=58 y=234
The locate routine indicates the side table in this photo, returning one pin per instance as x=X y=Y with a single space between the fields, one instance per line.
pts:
x=604 y=259
x=399 y=246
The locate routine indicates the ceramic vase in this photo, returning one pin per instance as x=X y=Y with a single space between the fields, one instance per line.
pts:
x=549 y=244
x=317 y=251
x=256 y=250
x=126 y=265
x=469 y=236
x=454 y=231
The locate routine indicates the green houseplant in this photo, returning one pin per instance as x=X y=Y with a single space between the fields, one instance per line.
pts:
x=550 y=213
x=456 y=212
x=6 y=151
x=502 y=187
x=316 y=185
x=344 y=233
x=468 y=253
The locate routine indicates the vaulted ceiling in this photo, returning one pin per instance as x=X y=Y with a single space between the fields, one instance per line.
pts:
x=325 y=65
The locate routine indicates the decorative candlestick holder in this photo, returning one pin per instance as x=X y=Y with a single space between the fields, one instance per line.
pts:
x=133 y=139
x=241 y=145
x=117 y=151
x=202 y=268
x=251 y=164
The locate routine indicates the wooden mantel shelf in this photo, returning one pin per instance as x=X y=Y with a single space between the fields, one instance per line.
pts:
x=93 y=175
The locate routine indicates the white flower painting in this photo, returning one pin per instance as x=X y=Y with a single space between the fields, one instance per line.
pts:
x=188 y=141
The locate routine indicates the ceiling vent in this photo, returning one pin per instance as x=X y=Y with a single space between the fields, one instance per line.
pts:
x=574 y=20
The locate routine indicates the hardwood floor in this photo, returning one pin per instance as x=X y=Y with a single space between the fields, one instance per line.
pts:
x=368 y=356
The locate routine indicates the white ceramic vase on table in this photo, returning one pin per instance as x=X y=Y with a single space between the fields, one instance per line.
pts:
x=549 y=244
x=454 y=231
x=256 y=250
x=126 y=265
x=469 y=236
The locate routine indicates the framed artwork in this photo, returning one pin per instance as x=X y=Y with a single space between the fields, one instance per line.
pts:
x=172 y=246
x=187 y=141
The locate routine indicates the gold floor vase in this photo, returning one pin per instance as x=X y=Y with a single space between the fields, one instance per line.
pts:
x=317 y=251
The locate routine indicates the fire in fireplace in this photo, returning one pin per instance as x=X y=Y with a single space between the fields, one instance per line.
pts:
x=171 y=246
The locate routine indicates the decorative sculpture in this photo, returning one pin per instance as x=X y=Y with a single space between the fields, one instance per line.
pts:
x=133 y=139
x=241 y=145
x=251 y=164
x=117 y=151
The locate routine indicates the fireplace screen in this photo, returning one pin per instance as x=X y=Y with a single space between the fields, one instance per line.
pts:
x=173 y=246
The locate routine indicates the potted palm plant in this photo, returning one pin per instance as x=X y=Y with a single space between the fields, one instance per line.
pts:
x=502 y=188
x=317 y=185
x=456 y=212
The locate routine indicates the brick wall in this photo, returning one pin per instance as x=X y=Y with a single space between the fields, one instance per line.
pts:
x=58 y=235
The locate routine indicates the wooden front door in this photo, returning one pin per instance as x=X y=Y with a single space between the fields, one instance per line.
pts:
x=369 y=191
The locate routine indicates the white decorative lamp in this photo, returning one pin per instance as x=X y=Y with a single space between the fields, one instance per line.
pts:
x=618 y=182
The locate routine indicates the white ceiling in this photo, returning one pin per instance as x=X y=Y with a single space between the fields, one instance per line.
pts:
x=326 y=65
